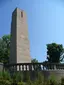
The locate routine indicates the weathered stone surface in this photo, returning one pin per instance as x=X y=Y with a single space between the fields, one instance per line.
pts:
x=19 y=38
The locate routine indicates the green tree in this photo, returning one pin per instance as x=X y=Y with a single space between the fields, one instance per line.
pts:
x=54 y=52
x=5 y=49
x=34 y=60
x=36 y=66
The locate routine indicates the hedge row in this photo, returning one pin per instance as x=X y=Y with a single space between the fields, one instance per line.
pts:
x=17 y=79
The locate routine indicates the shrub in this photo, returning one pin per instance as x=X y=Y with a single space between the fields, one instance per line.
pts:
x=62 y=81
x=51 y=80
x=5 y=78
x=26 y=76
x=29 y=82
x=17 y=77
x=5 y=82
x=1 y=75
x=20 y=83
x=39 y=80
x=6 y=75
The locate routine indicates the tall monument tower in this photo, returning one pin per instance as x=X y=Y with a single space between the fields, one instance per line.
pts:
x=19 y=38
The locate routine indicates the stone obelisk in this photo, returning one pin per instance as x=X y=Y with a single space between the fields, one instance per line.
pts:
x=19 y=49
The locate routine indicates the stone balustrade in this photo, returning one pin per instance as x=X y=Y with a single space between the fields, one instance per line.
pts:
x=34 y=66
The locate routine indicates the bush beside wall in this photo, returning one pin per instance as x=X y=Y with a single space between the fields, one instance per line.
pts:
x=17 y=79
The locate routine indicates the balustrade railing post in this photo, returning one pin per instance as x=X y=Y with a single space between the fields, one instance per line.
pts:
x=13 y=68
x=33 y=67
x=54 y=67
x=24 y=67
x=27 y=67
x=41 y=67
x=19 y=68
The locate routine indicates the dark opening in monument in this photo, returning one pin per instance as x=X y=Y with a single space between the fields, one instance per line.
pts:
x=21 y=14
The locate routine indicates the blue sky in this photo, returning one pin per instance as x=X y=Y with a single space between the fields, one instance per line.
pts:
x=45 y=20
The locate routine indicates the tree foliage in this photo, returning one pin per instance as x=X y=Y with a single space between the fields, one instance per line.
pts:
x=54 y=52
x=34 y=60
x=4 y=48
